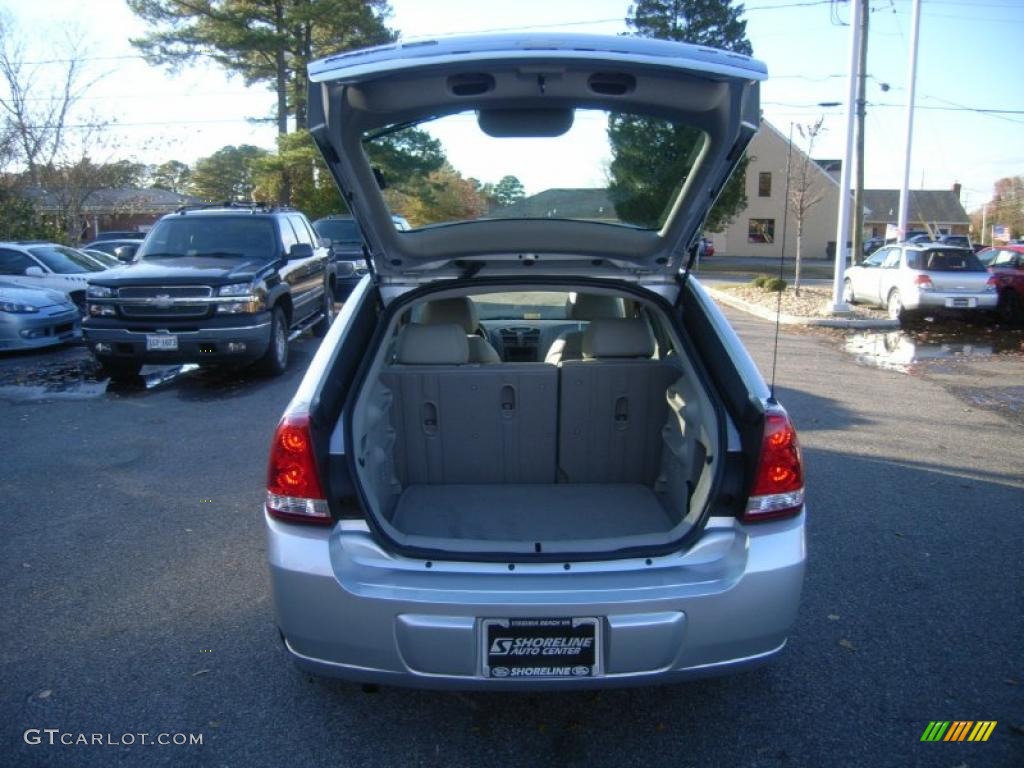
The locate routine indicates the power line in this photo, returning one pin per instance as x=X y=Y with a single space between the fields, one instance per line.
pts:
x=116 y=125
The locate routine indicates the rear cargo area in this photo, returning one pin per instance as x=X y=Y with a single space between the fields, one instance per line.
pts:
x=538 y=513
x=605 y=451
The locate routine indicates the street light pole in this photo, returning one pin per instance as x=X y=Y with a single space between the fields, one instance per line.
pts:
x=843 y=225
x=915 y=26
x=858 y=190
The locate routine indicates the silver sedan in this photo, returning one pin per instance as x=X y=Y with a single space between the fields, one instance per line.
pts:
x=36 y=317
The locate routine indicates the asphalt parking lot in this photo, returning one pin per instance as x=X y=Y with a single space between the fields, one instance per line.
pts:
x=136 y=596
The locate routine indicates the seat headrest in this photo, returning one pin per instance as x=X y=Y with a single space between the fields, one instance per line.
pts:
x=459 y=310
x=591 y=306
x=606 y=337
x=432 y=345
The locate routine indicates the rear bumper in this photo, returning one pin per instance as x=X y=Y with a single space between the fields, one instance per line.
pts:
x=348 y=609
x=937 y=300
x=194 y=346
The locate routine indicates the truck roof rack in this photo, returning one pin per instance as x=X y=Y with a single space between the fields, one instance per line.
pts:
x=253 y=206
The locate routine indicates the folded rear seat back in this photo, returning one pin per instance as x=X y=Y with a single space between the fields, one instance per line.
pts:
x=461 y=423
x=613 y=406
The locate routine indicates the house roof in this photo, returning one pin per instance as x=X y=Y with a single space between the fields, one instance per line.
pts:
x=940 y=206
x=564 y=203
x=119 y=200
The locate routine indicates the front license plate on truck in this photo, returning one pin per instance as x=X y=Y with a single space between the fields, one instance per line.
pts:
x=160 y=341
x=541 y=647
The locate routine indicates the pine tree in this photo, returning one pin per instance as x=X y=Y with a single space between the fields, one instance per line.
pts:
x=653 y=158
x=264 y=41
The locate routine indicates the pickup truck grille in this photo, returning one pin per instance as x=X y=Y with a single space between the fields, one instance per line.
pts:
x=155 y=301
x=172 y=291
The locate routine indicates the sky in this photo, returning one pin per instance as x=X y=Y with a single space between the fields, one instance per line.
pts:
x=967 y=61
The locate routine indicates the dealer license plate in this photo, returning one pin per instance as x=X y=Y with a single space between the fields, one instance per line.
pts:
x=161 y=341
x=541 y=647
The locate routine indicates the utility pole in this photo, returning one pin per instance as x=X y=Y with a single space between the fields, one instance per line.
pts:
x=915 y=28
x=858 y=191
x=843 y=225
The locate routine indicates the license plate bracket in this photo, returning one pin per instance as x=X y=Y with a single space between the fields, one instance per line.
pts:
x=541 y=647
x=961 y=303
x=161 y=342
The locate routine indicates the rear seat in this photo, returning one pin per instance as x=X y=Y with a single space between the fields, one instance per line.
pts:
x=613 y=406
x=463 y=423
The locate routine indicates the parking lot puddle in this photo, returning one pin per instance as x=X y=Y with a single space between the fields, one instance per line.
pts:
x=935 y=349
x=76 y=379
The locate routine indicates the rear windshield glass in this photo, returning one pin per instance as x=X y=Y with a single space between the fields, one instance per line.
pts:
x=946 y=260
x=609 y=167
x=246 y=237
x=64 y=261
x=338 y=230
x=517 y=305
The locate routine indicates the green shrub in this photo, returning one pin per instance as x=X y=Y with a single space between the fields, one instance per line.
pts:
x=760 y=280
x=774 y=284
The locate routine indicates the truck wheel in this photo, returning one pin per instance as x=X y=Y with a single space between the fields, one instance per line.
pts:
x=121 y=370
x=275 y=359
x=323 y=325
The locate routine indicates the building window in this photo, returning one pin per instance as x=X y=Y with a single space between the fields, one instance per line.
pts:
x=764 y=184
x=761 y=231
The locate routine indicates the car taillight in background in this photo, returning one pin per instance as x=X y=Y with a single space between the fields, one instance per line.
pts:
x=924 y=283
x=779 y=483
x=294 y=492
x=991 y=284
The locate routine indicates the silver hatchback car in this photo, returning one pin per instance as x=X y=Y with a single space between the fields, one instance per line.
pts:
x=530 y=452
x=913 y=279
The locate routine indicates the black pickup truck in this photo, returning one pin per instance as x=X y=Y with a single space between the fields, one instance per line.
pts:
x=225 y=285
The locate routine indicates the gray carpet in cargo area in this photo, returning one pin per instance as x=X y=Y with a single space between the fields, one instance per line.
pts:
x=530 y=512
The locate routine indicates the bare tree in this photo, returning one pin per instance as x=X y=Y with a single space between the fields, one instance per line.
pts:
x=806 y=189
x=36 y=112
x=37 y=109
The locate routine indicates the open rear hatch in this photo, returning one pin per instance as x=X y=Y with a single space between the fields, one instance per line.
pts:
x=618 y=146
x=674 y=120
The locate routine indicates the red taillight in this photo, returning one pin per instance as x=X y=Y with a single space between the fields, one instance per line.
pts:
x=293 y=485
x=779 y=484
x=923 y=282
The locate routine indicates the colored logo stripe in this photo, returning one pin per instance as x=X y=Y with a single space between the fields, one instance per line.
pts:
x=958 y=730
x=982 y=730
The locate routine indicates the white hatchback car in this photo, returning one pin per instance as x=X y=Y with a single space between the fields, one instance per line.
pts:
x=913 y=279
x=39 y=264
x=530 y=452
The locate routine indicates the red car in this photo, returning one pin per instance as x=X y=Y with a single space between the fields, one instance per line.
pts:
x=709 y=248
x=1006 y=263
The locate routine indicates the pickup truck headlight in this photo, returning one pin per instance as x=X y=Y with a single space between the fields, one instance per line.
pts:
x=235 y=289
x=17 y=308
x=240 y=307
x=100 y=292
